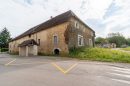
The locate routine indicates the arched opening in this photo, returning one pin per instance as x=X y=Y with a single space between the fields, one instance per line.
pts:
x=56 y=52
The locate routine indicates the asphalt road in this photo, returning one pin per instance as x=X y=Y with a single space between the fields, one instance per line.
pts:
x=59 y=71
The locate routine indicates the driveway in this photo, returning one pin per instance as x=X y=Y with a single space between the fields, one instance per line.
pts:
x=60 y=71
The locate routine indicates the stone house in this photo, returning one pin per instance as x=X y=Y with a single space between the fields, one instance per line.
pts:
x=55 y=36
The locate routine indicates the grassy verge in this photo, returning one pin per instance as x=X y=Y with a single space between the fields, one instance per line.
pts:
x=126 y=49
x=100 y=54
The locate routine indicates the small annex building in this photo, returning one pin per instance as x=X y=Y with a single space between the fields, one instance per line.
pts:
x=28 y=48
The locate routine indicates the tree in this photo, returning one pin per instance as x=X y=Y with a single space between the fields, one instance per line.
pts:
x=117 y=38
x=4 y=38
x=101 y=40
x=128 y=41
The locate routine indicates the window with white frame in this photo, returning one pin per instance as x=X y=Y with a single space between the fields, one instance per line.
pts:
x=80 y=40
x=90 y=42
x=55 y=39
x=76 y=24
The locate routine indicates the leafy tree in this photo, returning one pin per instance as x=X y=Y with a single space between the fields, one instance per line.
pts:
x=101 y=40
x=4 y=38
x=128 y=41
x=117 y=38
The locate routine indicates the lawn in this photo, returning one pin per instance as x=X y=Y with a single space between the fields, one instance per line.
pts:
x=126 y=49
x=100 y=54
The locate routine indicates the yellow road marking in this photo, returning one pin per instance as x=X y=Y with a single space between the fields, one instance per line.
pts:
x=58 y=67
x=10 y=62
x=62 y=70
x=71 y=68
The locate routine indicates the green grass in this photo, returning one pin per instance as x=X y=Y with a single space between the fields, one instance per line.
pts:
x=100 y=54
x=126 y=49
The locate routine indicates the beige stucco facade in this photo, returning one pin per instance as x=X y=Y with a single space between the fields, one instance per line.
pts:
x=46 y=40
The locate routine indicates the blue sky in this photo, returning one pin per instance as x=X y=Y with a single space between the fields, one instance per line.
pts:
x=104 y=16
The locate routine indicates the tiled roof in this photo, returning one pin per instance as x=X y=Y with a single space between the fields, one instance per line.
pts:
x=28 y=43
x=50 y=23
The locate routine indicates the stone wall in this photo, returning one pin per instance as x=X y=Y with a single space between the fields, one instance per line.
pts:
x=73 y=31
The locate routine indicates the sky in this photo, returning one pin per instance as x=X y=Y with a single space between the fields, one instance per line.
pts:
x=103 y=16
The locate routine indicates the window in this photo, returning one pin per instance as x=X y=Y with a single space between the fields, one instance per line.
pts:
x=76 y=25
x=55 y=40
x=80 y=40
x=39 y=41
x=90 y=42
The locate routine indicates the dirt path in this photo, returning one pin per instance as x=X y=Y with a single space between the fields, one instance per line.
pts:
x=119 y=49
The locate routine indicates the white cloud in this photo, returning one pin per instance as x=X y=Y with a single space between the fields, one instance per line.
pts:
x=20 y=15
x=119 y=22
x=97 y=8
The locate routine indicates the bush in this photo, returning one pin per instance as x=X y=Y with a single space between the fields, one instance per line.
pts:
x=14 y=53
x=4 y=49
x=100 y=54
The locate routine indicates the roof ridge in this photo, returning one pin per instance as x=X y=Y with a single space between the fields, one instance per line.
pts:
x=57 y=19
